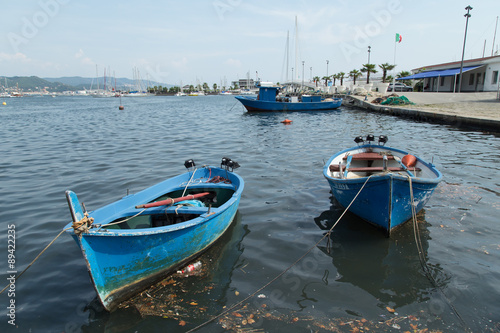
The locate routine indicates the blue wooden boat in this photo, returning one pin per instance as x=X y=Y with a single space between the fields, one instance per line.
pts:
x=386 y=199
x=134 y=242
x=268 y=100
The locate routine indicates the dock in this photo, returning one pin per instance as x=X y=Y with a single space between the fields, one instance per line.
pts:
x=479 y=110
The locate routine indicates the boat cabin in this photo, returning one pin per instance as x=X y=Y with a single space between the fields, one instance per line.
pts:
x=268 y=94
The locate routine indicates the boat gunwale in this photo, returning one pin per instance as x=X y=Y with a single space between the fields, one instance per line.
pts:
x=205 y=217
x=381 y=176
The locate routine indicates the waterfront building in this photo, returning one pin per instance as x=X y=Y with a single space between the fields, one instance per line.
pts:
x=481 y=74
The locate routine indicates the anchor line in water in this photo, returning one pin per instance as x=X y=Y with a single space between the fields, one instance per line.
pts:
x=283 y=272
x=38 y=256
x=423 y=263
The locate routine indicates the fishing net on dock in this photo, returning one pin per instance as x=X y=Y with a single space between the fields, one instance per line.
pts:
x=397 y=100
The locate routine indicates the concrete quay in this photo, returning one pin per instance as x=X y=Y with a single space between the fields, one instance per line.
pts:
x=471 y=110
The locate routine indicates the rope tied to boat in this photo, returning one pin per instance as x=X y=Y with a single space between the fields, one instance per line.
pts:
x=83 y=225
x=327 y=234
x=421 y=256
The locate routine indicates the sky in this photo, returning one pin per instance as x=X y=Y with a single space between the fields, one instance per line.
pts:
x=219 y=41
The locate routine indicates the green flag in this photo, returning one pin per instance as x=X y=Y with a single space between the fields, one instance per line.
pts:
x=399 y=38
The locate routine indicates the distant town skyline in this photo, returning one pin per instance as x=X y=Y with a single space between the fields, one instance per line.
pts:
x=221 y=41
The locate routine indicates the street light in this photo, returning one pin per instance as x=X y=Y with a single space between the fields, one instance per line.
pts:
x=311 y=74
x=327 y=67
x=467 y=15
x=369 y=50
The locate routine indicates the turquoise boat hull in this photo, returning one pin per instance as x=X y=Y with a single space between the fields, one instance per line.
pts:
x=386 y=199
x=126 y=258
x=252 y=104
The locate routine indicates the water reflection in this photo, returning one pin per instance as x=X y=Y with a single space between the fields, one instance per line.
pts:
x=192 y=298
x=387 y=268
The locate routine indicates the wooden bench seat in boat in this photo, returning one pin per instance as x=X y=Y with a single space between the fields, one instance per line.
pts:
x=335 y=168
x=367 y=157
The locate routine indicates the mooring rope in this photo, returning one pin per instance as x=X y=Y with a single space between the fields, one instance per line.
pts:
x=421 y=256
x=283 y=272
x=118 y=222
x=38 y=256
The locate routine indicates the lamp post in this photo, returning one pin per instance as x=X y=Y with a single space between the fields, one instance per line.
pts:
x=369 y=50
x=467 y=15
x=311 y=73
x=327 y=67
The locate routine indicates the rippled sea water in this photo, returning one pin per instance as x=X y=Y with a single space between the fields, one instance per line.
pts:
x=357 y=280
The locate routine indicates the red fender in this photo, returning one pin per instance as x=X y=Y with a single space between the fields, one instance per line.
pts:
x=409 y=161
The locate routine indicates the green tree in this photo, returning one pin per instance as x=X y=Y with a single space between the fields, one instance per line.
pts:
x=316 y=79
x=334 y=77
x=354 y=74
x=341 y=77
x=385 y=68
x=404 y=74
x=326 y=78
x=215 y=86
x=368 y=68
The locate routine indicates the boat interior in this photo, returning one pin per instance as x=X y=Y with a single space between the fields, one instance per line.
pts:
x=177 y=213
x=364 y=164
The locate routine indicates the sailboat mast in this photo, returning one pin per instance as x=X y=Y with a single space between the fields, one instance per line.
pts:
x=97 y=77
x=287 y=53
x=296 y=48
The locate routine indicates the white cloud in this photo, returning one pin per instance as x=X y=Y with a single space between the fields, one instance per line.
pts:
x=79 y=54
x=180 y=63
x=233 y=63
x=14 y=57
x=83 y=59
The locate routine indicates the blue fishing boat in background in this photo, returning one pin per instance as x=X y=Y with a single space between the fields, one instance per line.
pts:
x=268 y=99
x=392 y=180
x=134 y=242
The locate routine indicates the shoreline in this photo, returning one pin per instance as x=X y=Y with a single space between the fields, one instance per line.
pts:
x=472 y=110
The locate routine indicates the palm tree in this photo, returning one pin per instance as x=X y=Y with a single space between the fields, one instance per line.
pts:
x=368 y=68
x=354 y=74
x=386 y=67
x=341 y=77
x=326 y=78
x=215 y=86
x=404 y=74
x=316 y=79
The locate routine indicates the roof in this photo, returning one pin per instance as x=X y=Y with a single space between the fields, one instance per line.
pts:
x=473 y=62
x=440 y=73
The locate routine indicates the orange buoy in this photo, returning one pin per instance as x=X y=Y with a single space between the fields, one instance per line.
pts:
x=286 y=121
x=409 y=161
x=121 y=107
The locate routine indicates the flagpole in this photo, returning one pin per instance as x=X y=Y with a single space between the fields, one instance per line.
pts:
x=394 y=69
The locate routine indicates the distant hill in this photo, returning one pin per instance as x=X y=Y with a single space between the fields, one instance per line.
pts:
x=73 y=83
x=81 y=83
x=34 y=83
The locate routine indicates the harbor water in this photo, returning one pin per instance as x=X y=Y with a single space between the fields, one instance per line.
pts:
x=355 y=279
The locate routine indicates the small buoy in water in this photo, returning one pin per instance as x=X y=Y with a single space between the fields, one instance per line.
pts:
x=286 y=121
x=4 y=103
x=121 y=107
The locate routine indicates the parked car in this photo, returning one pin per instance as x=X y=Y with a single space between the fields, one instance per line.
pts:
x=398 y=86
